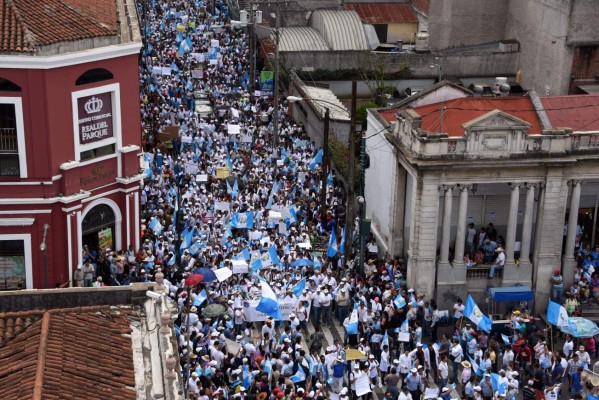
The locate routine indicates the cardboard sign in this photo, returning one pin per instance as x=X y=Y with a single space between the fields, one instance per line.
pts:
x=222 y=172
x=354 y=354
x=232 y=347
x=403 y=337
x=240 y=267
x=363 y=385
x=202 y=178
x=233 y=129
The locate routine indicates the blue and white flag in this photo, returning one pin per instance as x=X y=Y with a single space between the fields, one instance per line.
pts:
x=299 y=287
x=269 y=303
x=155 y=226
x=557 y=315
x=413 y=301
x=505 y=338
x=185 y=46
x=333 y=248
x=247 y=376
x=268 y=368
x=266 y=260
x=299 y=376
x=330 y=179
x=195 y=247
x=405 y=327
x=242 y=220
x=200 y=298
x=243 y=255
x=352 y=327
x=399 y=301
x=386 y=339
x=342 y=245
x=472 y=312
x=316 y=160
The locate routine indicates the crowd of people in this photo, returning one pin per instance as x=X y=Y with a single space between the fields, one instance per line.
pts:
x=224 y=199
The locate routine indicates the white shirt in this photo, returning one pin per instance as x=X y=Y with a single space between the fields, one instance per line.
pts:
x=405 y=396
x=405 y=363
x=443 y=370
x=458 y=310
x=568 y=348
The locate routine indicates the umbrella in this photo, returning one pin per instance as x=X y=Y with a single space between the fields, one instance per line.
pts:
x=584 y=328
x=207 y=273
x=213 y=310
x=194 y=279
x=302 y=262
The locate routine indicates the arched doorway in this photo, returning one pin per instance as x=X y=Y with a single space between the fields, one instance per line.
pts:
x=98 y=227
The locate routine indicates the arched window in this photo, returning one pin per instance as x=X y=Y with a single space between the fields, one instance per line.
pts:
x=94 y=75
x=8 y=86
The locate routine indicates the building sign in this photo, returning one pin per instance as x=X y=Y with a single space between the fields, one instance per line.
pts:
x=97 y=174
x=267 y=79
x=95 y=117
x=12 y=272
x=105 y=239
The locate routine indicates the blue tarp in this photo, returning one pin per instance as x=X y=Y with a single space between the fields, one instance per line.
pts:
x=515 y=293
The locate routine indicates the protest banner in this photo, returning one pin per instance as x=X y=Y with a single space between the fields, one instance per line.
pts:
x=354 y=354
x=287 y=306
x=363 y=385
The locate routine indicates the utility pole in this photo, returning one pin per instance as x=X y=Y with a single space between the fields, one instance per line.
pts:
x=351 y=190
x=325 y=167
x=275 y=117
x=252 y=52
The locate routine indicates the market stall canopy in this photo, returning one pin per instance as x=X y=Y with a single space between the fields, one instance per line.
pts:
x=514 y=293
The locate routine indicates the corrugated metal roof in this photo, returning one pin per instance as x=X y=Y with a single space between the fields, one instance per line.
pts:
x=301 y=39
x=312 y=94
x=577 y=112
x=421 y=6
x=384 y=13
x=341 y=29
x=460 y=111
x=371 y=36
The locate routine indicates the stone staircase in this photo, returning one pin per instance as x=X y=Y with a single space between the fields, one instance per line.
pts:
x=590 y=311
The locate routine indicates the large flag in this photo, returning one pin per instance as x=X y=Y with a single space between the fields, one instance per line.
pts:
x=557 y=315
x=399 y=301
x=316 y=160
x=333 y=248
x=352 y=328
x=269 y=303
x=472 y=312
x=266 y=260
x=299 y=376
x=200 y=298
x=299 y=287
x=242 y=220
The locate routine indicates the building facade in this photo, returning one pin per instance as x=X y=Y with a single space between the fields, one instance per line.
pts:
x=480 y=161
x=69 y=140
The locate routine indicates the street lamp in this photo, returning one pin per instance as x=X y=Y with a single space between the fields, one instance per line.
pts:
x=44 y=249
x=438 y=65
x=362 y=213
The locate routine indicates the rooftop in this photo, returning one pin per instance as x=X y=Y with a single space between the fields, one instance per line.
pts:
x=301 y=39
x=578 y=112
x=421 y=6
x=341 y=29
x=460 y=111
x=384 y=13
x=82 y=352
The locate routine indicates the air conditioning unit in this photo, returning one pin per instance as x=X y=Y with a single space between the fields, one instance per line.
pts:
x=509 y=46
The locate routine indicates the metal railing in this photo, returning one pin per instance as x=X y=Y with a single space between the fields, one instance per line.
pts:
x=482 y=272
x=8 y=141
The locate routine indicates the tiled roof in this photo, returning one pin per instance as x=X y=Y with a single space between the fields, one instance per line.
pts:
x=577 y=112
x=75 y=353
x=384 y=13
x=27 y=24
x=421 y=6
x=460 y=111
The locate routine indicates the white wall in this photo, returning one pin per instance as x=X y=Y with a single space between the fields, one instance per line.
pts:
x=380 y=182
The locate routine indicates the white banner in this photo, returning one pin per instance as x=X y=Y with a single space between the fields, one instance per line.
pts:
x=287 y=307
x=240 y=267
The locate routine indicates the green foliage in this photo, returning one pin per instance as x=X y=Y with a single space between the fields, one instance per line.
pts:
x=350 y=74
x=339 y=154
x=361 y=111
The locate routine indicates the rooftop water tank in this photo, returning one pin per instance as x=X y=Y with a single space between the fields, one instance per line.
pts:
x=243 y=16
x=422 y=42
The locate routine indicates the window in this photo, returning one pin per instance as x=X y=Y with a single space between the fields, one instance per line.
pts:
x=8 y=86
x=12 y=264
x=9 y=146
x=97 y=152
x=94 y=75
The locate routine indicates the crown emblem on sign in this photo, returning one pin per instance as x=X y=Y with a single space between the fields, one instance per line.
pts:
x=93 y=105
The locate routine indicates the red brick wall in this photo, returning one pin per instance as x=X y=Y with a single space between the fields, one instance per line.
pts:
x=585 y=66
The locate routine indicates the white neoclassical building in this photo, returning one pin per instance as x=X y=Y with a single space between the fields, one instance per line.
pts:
x=528 y=165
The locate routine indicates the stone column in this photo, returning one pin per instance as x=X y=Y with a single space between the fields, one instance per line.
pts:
x=568 y=261
x=512 y=223
x=458 y=259
x=527 y=224
x=446 y=229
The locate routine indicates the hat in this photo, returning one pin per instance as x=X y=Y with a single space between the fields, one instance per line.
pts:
x=339 y=358
x=79 y=266
x=396 y=361
x=499 y=250
x=478 y=388
x=356 y=366
x=194 y=374
x=414 y=370
x=515 y=373
x=445 y=389
x=466 y=364
x=419 y=344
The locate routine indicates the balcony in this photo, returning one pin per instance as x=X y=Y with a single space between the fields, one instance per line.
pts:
x=9 y=154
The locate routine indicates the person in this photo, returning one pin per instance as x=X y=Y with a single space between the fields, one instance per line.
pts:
x=413 y=383
x=391 y=381
x=499 y=262
x=552 y=392
x=78 y=276
x=470 y=238
x=443 y=369
x=456 y=355
x=528 y=391
x=458 y=311
x=405 y=394
x=88 y=273
x=339 y=366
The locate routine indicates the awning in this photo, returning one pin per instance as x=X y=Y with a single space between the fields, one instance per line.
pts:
x=515 y=293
